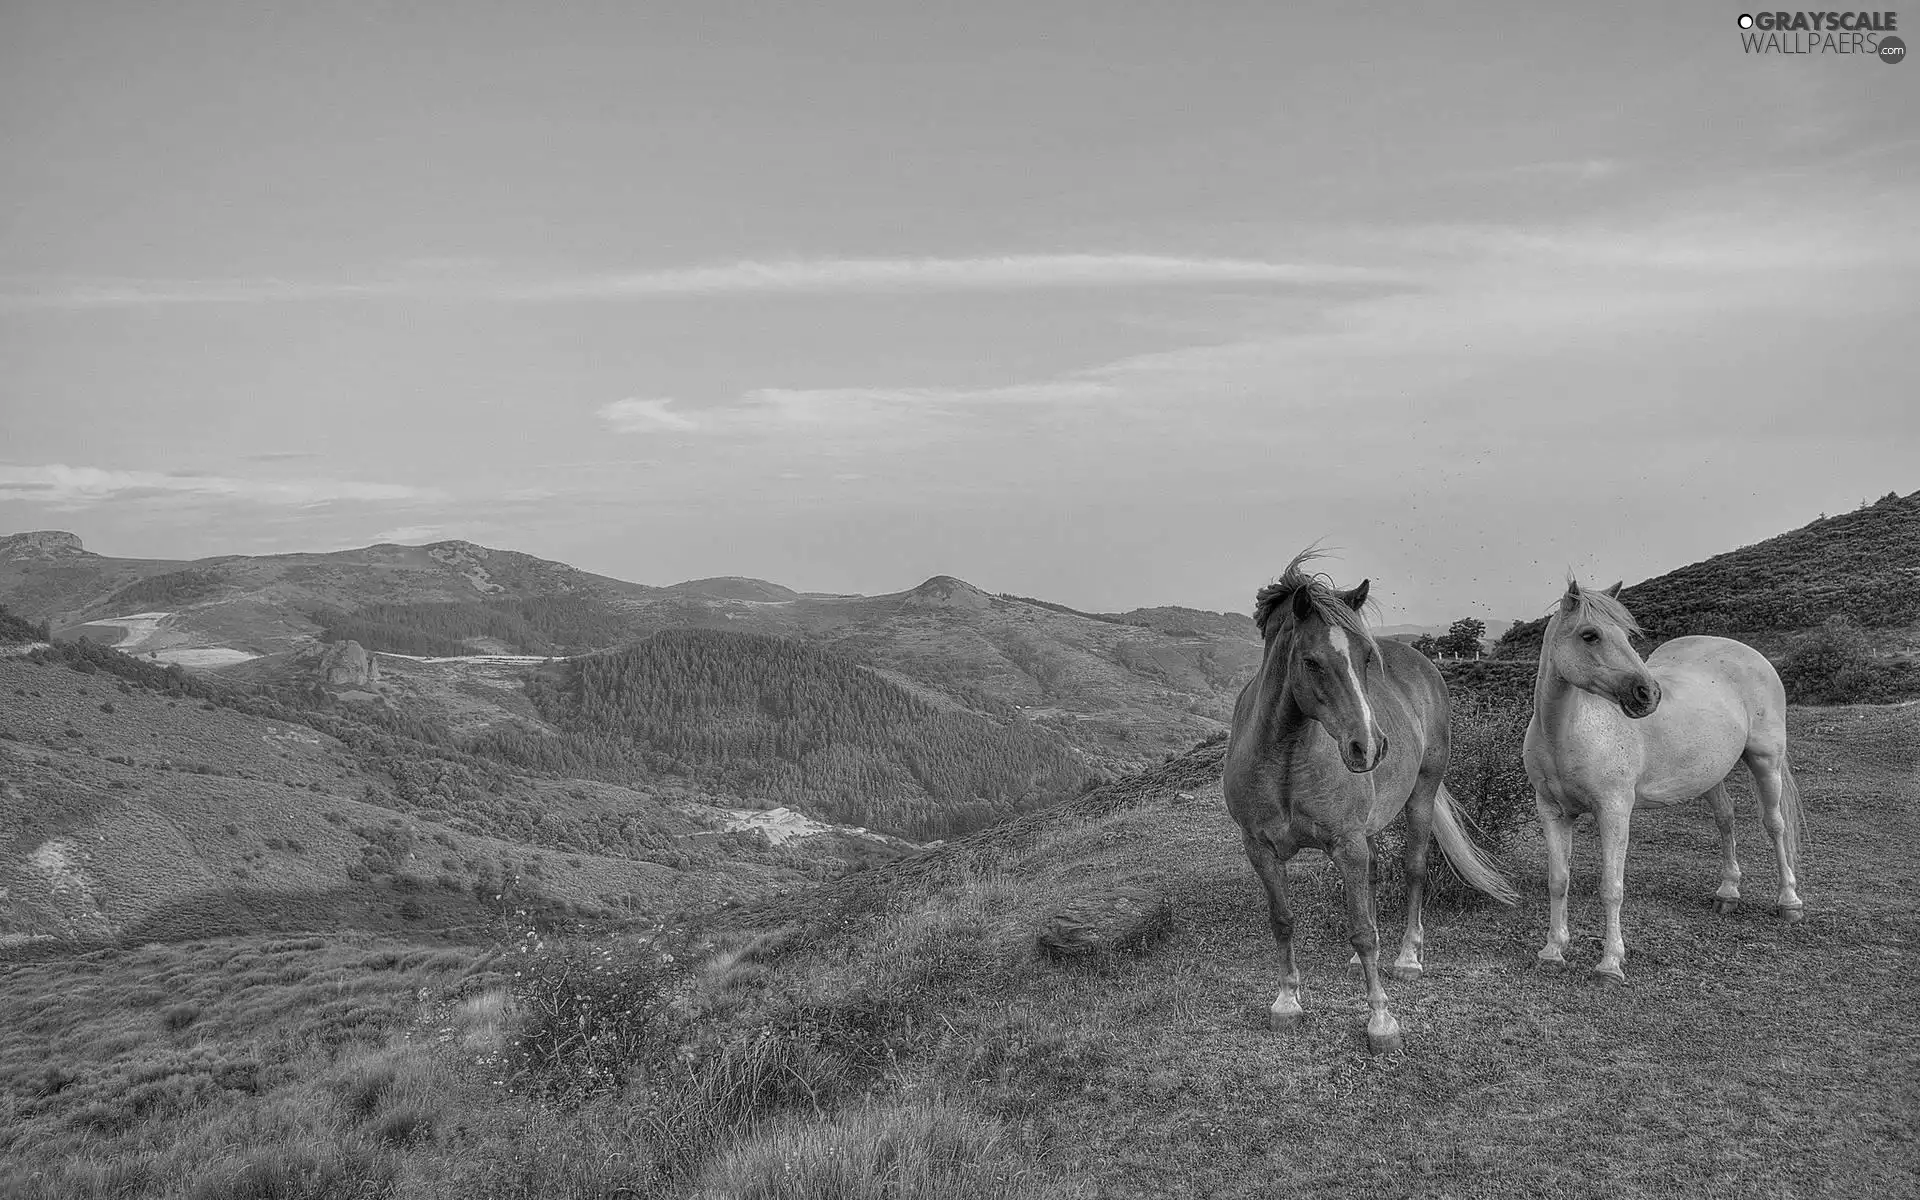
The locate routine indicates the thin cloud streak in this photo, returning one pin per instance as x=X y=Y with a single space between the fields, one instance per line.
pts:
x=775 y=410
x=797 y=276
x=58 y=485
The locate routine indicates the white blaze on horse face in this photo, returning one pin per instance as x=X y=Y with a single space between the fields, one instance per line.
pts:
x=1338 y=637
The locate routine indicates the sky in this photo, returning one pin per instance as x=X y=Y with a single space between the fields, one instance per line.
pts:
x=1114 y=304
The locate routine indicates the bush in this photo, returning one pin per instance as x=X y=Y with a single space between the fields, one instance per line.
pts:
x=593 y=1015
x=1837 y=664
x=1487 y=779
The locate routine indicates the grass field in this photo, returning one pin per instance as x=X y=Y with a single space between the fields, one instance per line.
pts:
x=900 y=1037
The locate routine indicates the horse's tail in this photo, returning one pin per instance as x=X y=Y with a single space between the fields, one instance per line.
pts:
x=1465 y=857
x=1793 y=815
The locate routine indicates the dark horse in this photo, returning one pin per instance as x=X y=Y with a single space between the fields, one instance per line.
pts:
x=1332 y=738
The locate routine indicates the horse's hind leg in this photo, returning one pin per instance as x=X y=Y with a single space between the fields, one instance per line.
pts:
x=1779 y=811
x=1270 y=863
x=1408 y=966
x=1727 y=898
x=1355 y=857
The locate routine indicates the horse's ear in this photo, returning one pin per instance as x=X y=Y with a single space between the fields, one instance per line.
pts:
x=1613 y=593
x=1572 y=599
x=1302 y=602
x=1358 y=596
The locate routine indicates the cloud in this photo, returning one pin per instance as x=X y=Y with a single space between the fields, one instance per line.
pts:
x=61 y=486
x=281 y=455
x=1013 y=272
x=410 y=533
x=1002 y=273
x=778 y=410
x=635 y=415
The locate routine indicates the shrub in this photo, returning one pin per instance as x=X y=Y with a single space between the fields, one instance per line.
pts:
x=593 y=1016
x=1487 y=779
x=1837 y=664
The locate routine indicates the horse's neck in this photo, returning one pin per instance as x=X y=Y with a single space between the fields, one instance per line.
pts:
x=1279 y=718
x=1555 y=699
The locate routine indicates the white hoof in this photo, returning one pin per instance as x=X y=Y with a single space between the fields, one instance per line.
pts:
x=1383 y=1033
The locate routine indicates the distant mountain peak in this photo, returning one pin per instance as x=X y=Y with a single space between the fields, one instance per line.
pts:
x=43 y=543
x=944 y=591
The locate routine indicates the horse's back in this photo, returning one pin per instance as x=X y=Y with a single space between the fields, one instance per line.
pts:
x=1720 y=699
x=1415 y=682
x=1725 y=665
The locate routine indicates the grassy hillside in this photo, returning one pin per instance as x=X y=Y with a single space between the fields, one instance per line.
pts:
x=896 y=1034
x=143 y=803
x=1864 y=564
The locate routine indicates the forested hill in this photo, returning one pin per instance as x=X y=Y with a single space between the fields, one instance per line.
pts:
x=804 y=726
x=1864 y=564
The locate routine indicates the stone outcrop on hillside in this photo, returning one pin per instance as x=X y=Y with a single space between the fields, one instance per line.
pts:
x=41 y=544
x=348 y=665
x=1122 y=919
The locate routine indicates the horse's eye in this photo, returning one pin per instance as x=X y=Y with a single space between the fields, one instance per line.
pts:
x=1588 y=635
x=1313 y=664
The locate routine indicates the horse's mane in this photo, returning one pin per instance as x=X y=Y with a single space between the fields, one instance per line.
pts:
x=1332 y=609
x=1596 y=605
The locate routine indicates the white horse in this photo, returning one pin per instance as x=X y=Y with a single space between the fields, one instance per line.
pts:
x=1611 y=733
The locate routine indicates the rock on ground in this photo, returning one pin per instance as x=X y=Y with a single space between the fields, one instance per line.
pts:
x=1126 y=919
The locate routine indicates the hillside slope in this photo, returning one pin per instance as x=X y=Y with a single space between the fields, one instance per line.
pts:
x=138 y=812
x=1156 y=1075
x=1864 y=564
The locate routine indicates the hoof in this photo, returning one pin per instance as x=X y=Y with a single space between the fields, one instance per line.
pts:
x=1609 y=974
x=1793 y=916
x=1726 y=908
x=1383 y=1033
x=1284 y=1022
x=1554 y=961
x=1407 y=972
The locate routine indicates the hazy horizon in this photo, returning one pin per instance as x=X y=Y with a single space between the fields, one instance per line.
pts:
x=1095 y=304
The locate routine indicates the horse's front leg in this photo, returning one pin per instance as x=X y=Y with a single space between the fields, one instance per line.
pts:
x=1355 y=857
x=1614 y=816
x=1269 y=861
x=1556 y=829
x=1727 y=898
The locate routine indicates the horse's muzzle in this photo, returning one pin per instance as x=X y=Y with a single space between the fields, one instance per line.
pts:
x=1640 y=699
x=1355 y=752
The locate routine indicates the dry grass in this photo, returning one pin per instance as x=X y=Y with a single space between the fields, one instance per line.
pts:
x=915 y=1045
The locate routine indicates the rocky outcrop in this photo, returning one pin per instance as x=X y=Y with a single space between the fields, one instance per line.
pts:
x=41 y=544
x=348 y=665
